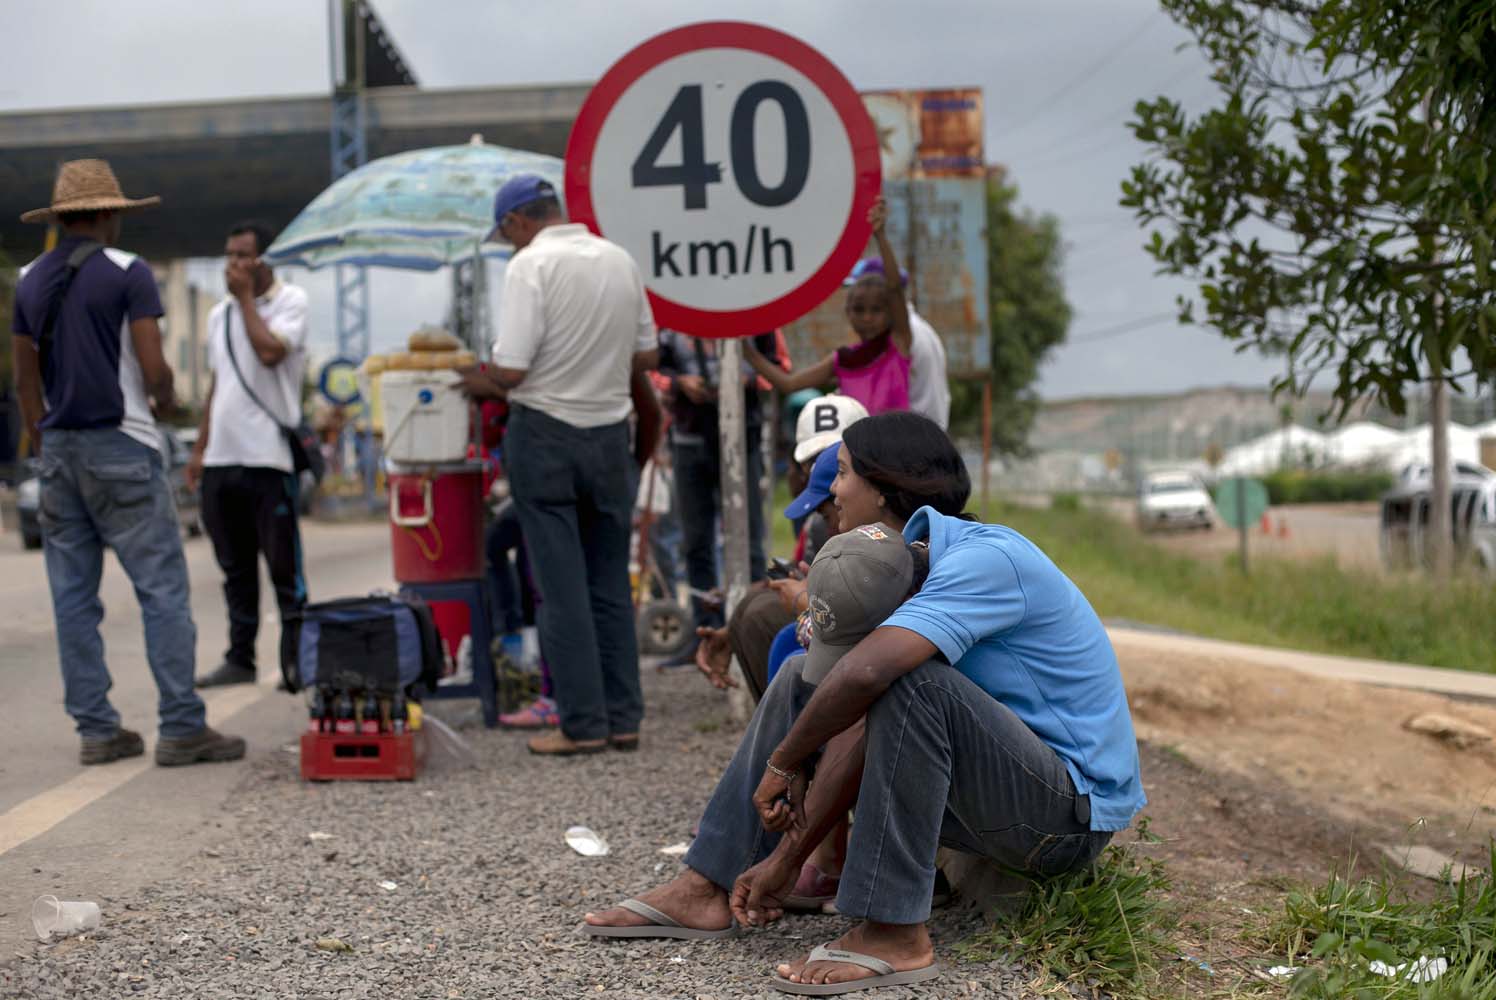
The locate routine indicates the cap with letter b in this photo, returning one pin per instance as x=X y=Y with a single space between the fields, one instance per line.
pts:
x=859 y=578
x=821 y=423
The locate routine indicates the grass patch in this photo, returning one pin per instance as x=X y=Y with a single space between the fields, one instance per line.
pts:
x=1336 y=931
x=1105 y=924
x=1310 y=605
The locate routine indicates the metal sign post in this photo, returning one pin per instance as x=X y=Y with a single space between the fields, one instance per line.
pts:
x=1240 y=502
x=732 y=426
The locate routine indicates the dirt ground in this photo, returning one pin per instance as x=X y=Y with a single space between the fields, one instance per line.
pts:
x=1261 y=778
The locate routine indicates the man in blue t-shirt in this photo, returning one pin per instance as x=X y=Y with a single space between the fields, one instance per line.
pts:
x=90 y=375
x=985 y=713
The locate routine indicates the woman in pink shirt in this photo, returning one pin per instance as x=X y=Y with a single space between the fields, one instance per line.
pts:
x=875 y=371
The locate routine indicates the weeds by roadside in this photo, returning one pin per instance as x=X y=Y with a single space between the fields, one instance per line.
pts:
x=1105 y=925
x=1379 y=938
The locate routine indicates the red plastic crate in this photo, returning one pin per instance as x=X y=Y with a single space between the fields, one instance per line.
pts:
x=356 y=757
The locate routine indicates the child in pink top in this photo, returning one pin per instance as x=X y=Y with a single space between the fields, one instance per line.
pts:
x=875 y=371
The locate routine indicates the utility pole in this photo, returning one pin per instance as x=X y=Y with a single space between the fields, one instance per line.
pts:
x=350 y=151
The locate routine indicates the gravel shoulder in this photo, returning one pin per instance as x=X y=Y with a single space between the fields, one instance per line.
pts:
x=487 y=898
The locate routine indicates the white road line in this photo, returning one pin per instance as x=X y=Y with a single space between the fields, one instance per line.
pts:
x=43 y=811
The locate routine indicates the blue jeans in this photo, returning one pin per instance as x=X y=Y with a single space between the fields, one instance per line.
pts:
x=102 y=488
x=945 y=763
x=698 y=494
x=573 y=488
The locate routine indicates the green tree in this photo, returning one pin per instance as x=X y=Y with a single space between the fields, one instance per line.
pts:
x=1028 y=315
x=1337 y=205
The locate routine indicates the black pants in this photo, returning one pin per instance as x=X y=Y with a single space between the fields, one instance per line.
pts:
x=247 y=512
x=574 y=490
x=698 y=489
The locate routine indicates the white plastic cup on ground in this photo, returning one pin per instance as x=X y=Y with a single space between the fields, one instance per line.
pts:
x=52 y=916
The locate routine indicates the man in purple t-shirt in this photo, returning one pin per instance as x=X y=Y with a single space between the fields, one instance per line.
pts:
x=90 y=375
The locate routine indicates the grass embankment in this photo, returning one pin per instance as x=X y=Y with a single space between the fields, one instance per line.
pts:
x=1309 y=605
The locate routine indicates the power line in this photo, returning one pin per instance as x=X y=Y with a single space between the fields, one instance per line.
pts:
x=1130 y=326
x=1110 y=117
x=1106 y=57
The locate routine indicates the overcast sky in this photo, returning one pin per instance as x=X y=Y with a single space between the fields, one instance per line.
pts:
x=1060 y=78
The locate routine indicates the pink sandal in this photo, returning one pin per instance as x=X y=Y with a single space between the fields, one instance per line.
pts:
x=812 y=891
x=539 y=714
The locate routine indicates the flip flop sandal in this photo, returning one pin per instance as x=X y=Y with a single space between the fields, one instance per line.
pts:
x=883 y=974
x=661 y=926
x=627 y=742
x=812 y=891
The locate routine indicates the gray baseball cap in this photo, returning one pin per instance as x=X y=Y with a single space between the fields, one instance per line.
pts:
x=859 y=578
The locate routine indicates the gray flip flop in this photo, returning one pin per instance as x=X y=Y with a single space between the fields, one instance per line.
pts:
x=661 y=925
x=883 y=974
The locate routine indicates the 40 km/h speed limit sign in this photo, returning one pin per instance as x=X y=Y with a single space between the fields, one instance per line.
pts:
x=736 y=165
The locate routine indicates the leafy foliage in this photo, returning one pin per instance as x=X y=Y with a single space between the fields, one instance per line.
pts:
x=1028 y=317
x=1325 y=486
x=1335 y=931
x=1338 y=205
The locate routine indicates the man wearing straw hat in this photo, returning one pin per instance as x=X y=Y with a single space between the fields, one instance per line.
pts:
x=91 y=377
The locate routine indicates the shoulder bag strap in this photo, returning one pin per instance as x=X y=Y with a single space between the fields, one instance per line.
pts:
x=80 y=253
x=228 y=343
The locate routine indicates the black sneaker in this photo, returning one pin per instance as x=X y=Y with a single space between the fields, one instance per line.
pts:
x=124 y=743
x=227 y=673
x=207 y=747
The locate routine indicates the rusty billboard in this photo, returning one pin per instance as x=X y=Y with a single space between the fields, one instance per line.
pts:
x=934 y=177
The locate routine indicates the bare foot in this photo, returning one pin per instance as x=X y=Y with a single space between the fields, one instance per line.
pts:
x=689 y=898
x=906 y=947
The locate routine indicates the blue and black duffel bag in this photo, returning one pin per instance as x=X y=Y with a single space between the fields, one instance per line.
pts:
x=382 y=642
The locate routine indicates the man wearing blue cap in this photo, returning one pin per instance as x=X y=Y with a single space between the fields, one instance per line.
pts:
x=575 y=336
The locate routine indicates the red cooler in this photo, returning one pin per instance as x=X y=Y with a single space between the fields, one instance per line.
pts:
x=436 y=522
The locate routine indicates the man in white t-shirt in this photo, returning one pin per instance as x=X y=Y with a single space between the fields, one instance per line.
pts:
x=257 y=354
x=929 y=383
x=575 y=337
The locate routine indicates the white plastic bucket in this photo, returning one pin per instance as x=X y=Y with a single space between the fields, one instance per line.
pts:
x=425 y=419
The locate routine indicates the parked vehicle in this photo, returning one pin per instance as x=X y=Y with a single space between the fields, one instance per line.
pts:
x=1174 y=500
x=1405 y=518
x=178 y=448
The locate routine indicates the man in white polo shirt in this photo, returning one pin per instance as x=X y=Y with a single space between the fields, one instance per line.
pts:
x=575 y=331
x=257 y=353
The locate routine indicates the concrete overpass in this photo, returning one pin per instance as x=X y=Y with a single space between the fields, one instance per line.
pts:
x=214 y=164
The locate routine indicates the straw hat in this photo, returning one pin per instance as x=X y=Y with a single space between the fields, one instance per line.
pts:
x=86 y=186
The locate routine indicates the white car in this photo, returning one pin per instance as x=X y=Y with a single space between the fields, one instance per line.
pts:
x=1174 y=500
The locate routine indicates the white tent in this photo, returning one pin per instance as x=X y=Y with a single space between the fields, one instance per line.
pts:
x=1362 y=443
x=1288 y=446
x=1415 y=448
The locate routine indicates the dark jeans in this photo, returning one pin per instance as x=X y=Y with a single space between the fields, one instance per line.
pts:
x=572 y=488
x=250 y=512
x=698 y=490
x=508 y=579
x=103 y=489
x=945 y=764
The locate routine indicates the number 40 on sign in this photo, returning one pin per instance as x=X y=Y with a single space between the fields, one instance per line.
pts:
x=736 y=165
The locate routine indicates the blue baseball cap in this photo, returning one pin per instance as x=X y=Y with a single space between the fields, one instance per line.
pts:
x=818 y=490
x=517 y=192
x=872 y=265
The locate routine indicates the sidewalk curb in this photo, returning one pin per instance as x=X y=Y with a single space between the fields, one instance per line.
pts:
x=1439 y=680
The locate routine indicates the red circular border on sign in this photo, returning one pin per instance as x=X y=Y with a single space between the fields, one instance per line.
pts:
x=867 y=166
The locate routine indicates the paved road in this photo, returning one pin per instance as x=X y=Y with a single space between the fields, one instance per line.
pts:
x=93 y=833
